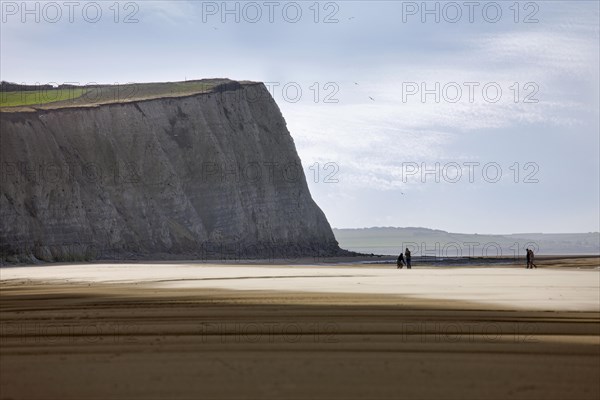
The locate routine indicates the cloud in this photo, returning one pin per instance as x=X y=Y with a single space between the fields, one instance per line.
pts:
x=370 y=139
x=172 y=13
x=556 y=52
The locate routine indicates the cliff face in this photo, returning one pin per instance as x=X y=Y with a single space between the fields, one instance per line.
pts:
x=212 y=175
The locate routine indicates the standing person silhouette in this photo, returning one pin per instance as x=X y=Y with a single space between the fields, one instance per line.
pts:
x=528 y=258
x=407 y=256
x=531 y=259
x=400 y=262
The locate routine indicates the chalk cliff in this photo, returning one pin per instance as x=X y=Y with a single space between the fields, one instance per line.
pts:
x=209 y=175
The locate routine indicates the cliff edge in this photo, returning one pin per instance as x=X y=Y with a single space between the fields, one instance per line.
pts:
x=212 y=174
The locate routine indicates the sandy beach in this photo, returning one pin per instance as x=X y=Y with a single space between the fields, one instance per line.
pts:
x=185 y=330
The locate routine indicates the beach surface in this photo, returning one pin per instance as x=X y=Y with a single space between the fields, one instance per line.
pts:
x=186 y=330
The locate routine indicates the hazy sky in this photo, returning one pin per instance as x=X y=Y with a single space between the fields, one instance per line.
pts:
x=499 y=99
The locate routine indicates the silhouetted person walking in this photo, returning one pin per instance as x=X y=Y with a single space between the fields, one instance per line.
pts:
x=400 y=262
x=531 y=259
x=407 y=256
x=528 y=258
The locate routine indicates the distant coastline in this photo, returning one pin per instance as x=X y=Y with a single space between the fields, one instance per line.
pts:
x=436 y=243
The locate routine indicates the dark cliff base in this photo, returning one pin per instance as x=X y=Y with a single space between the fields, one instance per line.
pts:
x=268 y=253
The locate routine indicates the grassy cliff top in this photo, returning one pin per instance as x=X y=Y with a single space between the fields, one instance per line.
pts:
x=14 y=97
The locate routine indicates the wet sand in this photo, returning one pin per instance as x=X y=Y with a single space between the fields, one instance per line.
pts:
x=186 y=331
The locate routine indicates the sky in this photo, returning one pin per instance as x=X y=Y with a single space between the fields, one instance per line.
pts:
x=472 y=117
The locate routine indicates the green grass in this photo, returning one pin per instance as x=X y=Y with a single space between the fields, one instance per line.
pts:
x=140 y=91
x=39 y=97
x=104 y=94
